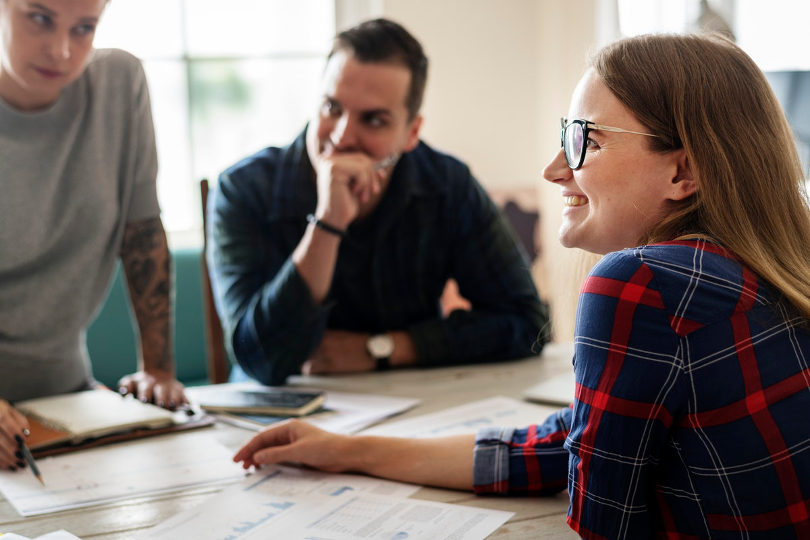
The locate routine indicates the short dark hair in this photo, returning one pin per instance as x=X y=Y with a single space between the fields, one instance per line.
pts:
x=384 y=41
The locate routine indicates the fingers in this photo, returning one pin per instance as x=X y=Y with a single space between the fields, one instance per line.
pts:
x=169 y=394
x=164 y=391
x=13 y=425
x=354 y=173
x=144 y=389
x=127 y=385
x=278 y=436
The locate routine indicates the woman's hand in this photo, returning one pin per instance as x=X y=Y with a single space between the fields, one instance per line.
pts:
x=295 y=441
x=156 y=387
x=13 y=425
x=443 y=462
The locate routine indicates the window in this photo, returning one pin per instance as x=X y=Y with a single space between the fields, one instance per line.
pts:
x=773 y=33
x=226 y=79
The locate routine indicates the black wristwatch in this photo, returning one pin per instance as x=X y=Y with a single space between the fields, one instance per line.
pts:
x=381 y=347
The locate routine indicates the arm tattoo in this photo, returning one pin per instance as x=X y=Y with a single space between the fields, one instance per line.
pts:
x=147 y=266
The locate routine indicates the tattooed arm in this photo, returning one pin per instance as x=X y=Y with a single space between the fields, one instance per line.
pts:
x=147 y=266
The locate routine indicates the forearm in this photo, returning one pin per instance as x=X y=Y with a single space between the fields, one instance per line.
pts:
x=147 y=266
x=442 y=462
x=476 y=336
x=271 y=351
x=315 y=258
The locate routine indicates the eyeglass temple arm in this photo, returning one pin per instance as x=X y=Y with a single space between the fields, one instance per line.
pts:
x=619 y=130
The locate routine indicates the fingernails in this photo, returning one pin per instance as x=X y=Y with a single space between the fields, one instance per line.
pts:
x=26 y=432
x=18 y=439
x=123 y=390
x=21 y=464
x=18 y=454
x=12 y=468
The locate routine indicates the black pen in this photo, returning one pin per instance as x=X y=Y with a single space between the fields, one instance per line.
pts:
x=30 y=460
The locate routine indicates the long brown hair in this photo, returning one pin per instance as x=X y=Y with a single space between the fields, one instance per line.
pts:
x=704 y=94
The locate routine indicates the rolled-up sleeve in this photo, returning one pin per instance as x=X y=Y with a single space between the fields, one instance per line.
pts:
x=527 y=461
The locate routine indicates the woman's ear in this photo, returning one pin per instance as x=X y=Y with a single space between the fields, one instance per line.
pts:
x=684 y=184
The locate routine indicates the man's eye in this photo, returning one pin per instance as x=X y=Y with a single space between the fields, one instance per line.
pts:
x=84 y=30
x=592 y=144
x=40 y=19
x=331 y=108
x=376 y=121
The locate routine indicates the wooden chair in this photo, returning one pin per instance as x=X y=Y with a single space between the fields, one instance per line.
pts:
x=218 y=364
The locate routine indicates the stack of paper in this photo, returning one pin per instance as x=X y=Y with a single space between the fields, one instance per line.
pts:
x=469 y=418
x=293 y=504
x=55 y=535
x=121 y=471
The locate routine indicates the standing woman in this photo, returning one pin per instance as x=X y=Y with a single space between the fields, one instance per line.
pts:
x=77 y=173
x=692 y=353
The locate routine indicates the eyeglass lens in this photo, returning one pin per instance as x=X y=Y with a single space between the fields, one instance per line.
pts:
x=572 y=143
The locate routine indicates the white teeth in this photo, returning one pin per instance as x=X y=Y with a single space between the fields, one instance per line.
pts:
x=574 y=200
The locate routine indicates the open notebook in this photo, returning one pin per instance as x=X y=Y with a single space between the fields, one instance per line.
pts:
x=86 y=415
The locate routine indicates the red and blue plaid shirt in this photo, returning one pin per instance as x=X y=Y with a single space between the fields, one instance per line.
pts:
x=692 y=410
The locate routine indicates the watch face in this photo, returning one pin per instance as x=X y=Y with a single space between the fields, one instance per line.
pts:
x=380 y=346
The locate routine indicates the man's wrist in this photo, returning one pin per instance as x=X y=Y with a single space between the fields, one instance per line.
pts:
x=326 y=226
x=381 y=347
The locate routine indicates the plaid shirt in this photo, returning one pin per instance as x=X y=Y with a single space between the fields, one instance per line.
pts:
x=691 y=415
x=433 y=223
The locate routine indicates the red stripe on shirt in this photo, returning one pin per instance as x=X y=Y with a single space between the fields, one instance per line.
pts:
x=630 y=295
x=797 y=514
x=627 y=291
x=624 y=407
x=755 y=398
x=748 y=405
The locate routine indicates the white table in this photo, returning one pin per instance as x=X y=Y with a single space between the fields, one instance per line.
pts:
x=441 y=388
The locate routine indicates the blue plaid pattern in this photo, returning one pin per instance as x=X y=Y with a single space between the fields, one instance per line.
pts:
x=690 y=418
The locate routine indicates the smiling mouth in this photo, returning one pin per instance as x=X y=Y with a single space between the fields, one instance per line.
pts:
x=575 y=200
x=48 y=73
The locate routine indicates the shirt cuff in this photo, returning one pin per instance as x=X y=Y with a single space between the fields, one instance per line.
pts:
x=431 y=341
x=491 y=460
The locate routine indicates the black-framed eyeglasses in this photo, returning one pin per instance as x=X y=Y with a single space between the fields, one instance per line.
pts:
x=574 y=135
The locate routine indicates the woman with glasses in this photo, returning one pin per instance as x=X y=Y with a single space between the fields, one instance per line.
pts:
x=77 y=168
x=692 y=354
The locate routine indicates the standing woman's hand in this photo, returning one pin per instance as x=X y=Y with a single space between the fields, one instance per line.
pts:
x=13 y=427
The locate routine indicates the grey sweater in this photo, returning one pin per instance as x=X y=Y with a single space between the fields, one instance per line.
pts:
x=71 y=177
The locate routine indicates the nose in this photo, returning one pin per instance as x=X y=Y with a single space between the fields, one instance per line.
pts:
x=344 y=135
x=557 y=169
x=59 y=46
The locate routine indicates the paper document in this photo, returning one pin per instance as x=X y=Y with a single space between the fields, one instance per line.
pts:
x=342 y=412
x=469 y=418
x=114 y=472
x=556 y=390
x=300 y=504
x=56 y=535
